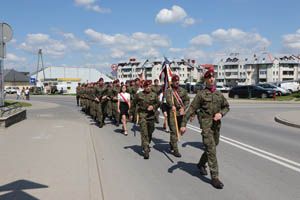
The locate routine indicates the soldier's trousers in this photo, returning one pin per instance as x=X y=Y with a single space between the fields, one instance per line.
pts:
x=210 y=138
x=109 y=108
x=92 y=109
x=77 y=100
x=147 y=128
x=99 y=114
x=115 y=112
x=104 y=109
x=173 y=131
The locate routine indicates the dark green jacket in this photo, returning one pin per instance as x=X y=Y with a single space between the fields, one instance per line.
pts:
x=182 y=93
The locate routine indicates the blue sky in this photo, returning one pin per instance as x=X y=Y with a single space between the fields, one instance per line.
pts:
x=98 y=33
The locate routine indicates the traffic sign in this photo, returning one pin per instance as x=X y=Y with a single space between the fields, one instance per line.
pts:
x=114 y=73
x=32 y=80
x=114 y=67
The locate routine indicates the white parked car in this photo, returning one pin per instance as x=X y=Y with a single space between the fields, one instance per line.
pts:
x=291 y=86
x=222 y=88
x=11 y=90
x=280 y=91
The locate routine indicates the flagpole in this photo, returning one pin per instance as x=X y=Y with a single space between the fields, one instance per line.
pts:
x=175 y=116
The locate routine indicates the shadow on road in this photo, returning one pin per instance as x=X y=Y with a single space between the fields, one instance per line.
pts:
x=198 y=145
x=16 y=188
x=136 y=148
x=190 y=168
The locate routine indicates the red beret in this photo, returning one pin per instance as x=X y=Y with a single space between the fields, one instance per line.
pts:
x=100 y=79
x=137 y=79
x=147 y=83
x=175 y=78
x=155 y=80
x=209 y=73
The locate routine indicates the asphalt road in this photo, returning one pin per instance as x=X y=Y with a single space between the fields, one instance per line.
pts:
x=258 y=158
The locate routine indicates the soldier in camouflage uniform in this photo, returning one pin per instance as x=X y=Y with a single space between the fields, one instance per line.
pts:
x=78 y=94
x=178 y=106
x=92 y=94
x=109 y=99
x=146 y=102
x=116 y=91
x=157 y=90
x=213 y=106
x=100 y=96
x=133 y=92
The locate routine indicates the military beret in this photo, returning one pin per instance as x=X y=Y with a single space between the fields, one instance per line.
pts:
x=175 y=78
x=209 y=73
x=100 y=79
x=147 y=83
x=137 y=79
x=155 y=80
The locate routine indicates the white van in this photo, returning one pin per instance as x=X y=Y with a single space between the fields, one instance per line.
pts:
x=291 y=86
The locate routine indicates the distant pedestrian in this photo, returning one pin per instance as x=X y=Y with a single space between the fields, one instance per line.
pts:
x=18 y=94
x=23 y=93
x=27 y=94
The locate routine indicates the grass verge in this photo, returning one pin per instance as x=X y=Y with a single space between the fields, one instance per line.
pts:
x=11 y=104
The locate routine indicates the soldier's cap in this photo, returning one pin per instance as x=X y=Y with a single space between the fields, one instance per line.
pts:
x=147 y=83
x=156 y=80
x=132 y=81
x=210 y=73
x=117 y=81
x=137 y=79
x=100 y=79
x=175 y=78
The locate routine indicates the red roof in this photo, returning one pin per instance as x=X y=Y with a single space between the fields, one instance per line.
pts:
x=208 y=66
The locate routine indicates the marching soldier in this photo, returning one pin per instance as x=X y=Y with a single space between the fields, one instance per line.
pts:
x=109 y=100
x=78 y=94
x=157 y=90
x=146 y=102
x=213 y=106
x=100 y=100
x=177 y=101
x=116 y=90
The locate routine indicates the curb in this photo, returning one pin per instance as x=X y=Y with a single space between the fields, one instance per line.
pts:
x=285 y=122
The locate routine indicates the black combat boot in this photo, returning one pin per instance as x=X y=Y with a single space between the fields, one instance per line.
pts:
x=176 y=153
x=146 y=154
x=203 y=170
x=217 y=183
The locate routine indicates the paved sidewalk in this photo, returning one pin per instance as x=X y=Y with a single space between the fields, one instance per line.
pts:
x=48 y=157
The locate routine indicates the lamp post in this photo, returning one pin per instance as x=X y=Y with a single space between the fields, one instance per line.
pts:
x=6 y=34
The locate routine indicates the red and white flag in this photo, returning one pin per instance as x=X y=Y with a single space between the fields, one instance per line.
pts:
x=166 y=75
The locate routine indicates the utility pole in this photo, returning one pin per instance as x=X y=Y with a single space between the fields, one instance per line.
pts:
x=40 y=57
x=6 y=34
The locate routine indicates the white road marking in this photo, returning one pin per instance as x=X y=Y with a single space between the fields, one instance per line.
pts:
x=256 y=151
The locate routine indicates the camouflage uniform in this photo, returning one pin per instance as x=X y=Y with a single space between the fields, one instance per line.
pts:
x=146 y=118
x=115 y=113
x=109 y=91
x=133 y=93
x=100 y=92
x=182 y=93
x=209 y=103
x=77 y=95
x=157 y=90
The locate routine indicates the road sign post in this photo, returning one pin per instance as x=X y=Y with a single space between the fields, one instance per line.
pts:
x=6 y=34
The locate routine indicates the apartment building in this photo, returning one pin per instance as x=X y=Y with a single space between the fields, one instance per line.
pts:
x=237 y=69
x=186 y=70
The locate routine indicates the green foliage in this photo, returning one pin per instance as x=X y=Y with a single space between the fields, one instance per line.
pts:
x=11 y=104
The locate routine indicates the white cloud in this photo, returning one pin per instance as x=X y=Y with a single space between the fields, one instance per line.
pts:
x=202 y=40
x=34 y=42
x=75 y=44
x=236 y=40
x=124 y=46
x=291 y=42
x=175 y=15
x=175 y=50
x=90 y=5
x=188 y=22
x=15 y=59
x=54 y=48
